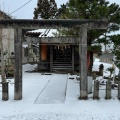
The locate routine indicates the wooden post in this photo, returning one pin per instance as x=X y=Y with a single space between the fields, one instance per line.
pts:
x=40 y=49
x=29 y=48
x=96 y=90
x=5 y=93
x=51 y=57
x=18 y=63
x=83 y=61
x=43 y=51
x=108 y=90
x=119 y=90
x=73 y=58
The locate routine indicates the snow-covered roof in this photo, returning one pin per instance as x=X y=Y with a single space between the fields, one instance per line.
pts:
x=45 y=32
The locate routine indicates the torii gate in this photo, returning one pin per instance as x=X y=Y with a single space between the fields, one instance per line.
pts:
x=84 y=24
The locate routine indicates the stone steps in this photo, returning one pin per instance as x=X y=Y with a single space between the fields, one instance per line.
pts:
x=62 y=66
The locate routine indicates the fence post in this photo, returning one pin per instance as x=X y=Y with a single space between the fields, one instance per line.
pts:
x=5 y=93
x=119 y=90
x=96 y=90
x=108 y=90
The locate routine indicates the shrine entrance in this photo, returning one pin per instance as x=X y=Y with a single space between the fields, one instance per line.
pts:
x=62 y=54
x=62 y=59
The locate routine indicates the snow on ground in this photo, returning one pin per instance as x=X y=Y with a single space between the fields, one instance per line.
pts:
x=54 y=94
x=55 y=97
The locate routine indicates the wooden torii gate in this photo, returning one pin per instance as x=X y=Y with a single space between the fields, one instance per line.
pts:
x=84 y=24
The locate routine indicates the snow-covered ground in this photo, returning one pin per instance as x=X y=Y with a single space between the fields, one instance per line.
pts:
x=55 y=97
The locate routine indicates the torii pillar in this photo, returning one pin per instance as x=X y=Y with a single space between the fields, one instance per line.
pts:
x=83 y=61
x=18 y=63
x=83 y=54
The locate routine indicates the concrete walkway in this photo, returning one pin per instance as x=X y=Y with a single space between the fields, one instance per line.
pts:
x=54 y=91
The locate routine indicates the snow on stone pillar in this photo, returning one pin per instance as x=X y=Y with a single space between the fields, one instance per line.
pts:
x=83 y=61
x=18 y=63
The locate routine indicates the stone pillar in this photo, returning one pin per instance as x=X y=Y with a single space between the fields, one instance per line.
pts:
x=29 y=44
x=2 y=66
x=119 y=90
x=108 y=90
x=18 y=63
x=31 y=55
x=5 y=91
x=83 y=61
x=96 y=90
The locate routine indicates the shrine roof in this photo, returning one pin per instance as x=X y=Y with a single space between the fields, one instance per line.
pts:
x=42 y=32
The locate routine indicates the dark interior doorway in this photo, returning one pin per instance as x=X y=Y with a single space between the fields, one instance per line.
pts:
x=62 y=54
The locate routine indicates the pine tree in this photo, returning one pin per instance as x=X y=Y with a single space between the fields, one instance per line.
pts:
x=93 y=9
x=46 y=9
x=115 y=40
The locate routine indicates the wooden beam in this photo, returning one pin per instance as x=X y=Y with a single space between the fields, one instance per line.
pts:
x=55 y=40
x=83 y=61
x=60 y=40
x=18 y=63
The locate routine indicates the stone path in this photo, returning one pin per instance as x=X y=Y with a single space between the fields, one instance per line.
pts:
x=52 y=93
